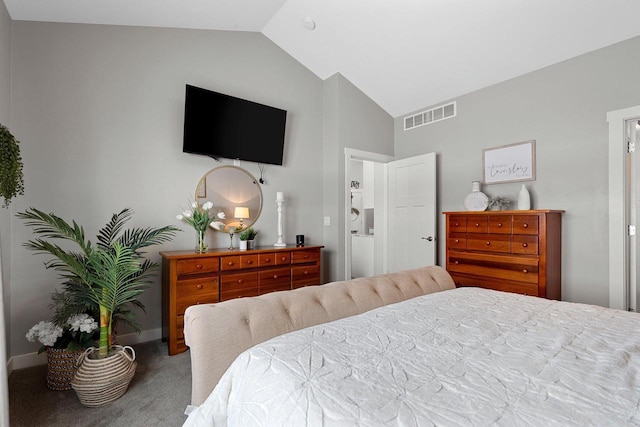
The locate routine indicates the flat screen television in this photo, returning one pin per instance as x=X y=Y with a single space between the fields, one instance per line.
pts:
x=219 y=125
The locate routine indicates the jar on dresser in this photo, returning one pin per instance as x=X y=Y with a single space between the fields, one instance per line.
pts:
x=513 y=251
x=190 y=278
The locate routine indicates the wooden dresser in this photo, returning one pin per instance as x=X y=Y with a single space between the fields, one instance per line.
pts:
x=513 y=251
x=189 y=278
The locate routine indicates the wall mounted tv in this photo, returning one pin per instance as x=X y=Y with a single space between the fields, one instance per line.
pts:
x=219 y=125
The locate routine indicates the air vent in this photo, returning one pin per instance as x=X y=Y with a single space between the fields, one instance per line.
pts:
x=430 y=116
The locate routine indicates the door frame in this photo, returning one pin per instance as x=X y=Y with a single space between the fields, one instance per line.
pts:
x=349 y=155
x=618 y=207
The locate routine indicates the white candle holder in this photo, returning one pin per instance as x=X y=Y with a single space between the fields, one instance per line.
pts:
x=279 y=201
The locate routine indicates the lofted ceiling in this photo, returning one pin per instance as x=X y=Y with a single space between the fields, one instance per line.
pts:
x=404 y=54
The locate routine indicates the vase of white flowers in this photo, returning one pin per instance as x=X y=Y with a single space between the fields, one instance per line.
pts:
x=64 y=344
x=199 y=217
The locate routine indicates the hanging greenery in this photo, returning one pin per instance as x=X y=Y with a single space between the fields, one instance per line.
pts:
x=11 y=179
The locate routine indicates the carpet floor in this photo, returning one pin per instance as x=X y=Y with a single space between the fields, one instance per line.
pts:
x=157 y=395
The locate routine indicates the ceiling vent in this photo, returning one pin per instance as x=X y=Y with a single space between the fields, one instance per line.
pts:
x=442 y=112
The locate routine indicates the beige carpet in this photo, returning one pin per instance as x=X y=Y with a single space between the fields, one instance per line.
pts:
x=157 y=396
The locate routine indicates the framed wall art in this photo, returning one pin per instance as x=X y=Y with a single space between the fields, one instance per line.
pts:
x=510 y=163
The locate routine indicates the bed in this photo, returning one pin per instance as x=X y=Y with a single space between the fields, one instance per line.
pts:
x=465 y=356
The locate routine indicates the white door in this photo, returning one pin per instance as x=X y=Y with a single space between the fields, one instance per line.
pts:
x=412 y=212
x=632 y=139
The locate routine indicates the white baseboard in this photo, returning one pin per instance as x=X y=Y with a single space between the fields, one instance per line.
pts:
x=34 y=359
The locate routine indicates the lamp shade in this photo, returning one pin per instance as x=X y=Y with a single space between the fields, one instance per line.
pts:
x=241 y=212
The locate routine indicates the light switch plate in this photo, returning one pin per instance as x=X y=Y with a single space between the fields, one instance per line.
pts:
x=327 y=220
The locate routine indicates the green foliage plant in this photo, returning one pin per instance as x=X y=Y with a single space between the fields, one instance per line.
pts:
x=248 y=234
x=104 y=278
x=11 y=178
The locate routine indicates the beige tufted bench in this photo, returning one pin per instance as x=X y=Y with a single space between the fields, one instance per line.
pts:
x=218 y=333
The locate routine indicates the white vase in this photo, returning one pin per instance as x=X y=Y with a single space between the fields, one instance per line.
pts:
x=243 y=245
x=524 y=199
x=476 y=200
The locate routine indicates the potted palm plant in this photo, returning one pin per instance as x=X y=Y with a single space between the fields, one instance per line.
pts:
x=105 y=278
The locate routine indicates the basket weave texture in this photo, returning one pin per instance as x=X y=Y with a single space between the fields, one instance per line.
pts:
x=101 y=381
x=61 y=367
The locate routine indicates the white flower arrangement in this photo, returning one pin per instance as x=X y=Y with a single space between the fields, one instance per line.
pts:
x=78 y=332
x=200 y=218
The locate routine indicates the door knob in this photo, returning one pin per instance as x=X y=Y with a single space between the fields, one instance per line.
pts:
x=429 y=239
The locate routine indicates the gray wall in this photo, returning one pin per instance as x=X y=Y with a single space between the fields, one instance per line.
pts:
x=5 y=227
x=99 y=111
x=351 y=120
x=562 y=107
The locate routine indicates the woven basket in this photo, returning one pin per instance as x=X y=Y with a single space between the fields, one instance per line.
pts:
x=101 y=381
x=61 y=367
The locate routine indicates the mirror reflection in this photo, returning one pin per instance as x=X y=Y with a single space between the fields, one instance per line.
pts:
x=235 y=194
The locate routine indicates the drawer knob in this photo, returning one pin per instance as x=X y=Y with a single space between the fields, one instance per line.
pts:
x=230 y=263
x=249 y=262
x=456 y=262
x=457 y=240
x=199 y=286
x=267 y=260
x=477 y=225
x=499 y=224
x=488 y=243
x=306 y=272
x=457 y=224
x=240 y=281
x=525 y=271
x=199 y=266
x=275 y=276
x=306 y=256
x=284 y=258
x=525 y=225
x=524 y=245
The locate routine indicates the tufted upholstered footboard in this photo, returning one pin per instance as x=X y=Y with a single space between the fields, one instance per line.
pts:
x=218 y=333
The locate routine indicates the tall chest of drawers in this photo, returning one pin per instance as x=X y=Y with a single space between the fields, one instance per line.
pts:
x=513 y=251
x=190 y=278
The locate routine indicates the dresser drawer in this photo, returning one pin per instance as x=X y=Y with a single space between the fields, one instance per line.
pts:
x=525 y=224
x=276 y=258
x=457 y=224
x=494 y=266
x=182 y=302
x=277 y=279
x=238 y=285
x=298 y=257
x=305 y=275
x=526 y=245
x=457 y=241
x=498 y=285
x=499 y=243
x=197 y=265
x=238 y=262
x=500 y=224
x=200 y=286
x=478 y=224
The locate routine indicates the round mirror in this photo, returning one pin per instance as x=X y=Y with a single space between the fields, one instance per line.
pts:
x=235 y=194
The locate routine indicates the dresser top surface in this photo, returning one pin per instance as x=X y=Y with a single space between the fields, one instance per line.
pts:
x=235 y=251
x=509 y=212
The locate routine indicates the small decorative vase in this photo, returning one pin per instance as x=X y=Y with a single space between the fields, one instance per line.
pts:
x=476 y=200
x=242 y=245
x=524 y=199
x=251 y=244
x=61 y=367
x=101 y=381
x=201 y=243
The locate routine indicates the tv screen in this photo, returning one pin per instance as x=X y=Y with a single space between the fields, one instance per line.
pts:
x=220 y=125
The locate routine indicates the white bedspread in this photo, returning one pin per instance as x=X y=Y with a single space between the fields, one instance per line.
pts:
x=454 y=358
